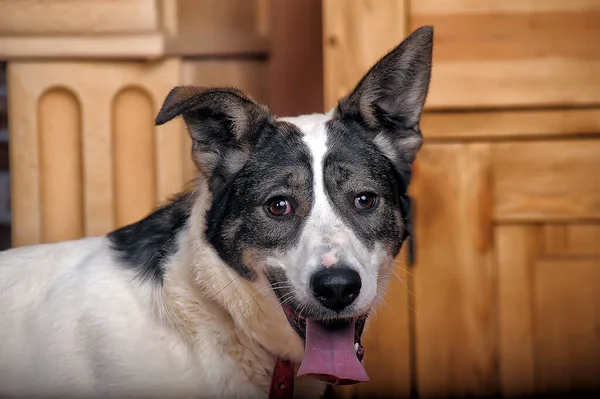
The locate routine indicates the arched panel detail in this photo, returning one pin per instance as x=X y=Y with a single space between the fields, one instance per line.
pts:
x=134 y=163
x=60 y=165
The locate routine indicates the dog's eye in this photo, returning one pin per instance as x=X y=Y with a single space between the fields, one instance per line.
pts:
x=279 y=206
x=365 y=201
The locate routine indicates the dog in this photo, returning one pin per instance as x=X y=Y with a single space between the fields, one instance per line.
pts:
x=277 y=253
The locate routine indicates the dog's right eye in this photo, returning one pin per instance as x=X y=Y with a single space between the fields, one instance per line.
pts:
x=279 y=206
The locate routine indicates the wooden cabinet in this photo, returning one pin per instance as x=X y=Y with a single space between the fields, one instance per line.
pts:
x=85 y=81
x=504 y=295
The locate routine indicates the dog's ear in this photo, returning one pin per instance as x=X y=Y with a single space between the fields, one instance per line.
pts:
x=223 y=124
x=389 y=99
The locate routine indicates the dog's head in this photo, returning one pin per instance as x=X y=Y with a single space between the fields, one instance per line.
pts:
x=314 y=204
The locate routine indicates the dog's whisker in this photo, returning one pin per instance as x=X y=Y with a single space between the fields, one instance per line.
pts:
x=228 y=284
x=404 y=280
x=280 y=305
x=402 y=300
x=399 y=263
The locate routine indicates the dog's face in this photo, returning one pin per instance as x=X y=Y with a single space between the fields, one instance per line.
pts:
x=312 y=204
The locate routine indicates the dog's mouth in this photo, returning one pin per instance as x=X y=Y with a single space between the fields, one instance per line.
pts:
x=333 y=350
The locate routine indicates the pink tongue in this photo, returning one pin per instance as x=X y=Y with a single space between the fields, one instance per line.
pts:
x=329 y=354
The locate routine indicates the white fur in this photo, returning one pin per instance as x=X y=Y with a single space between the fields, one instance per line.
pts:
x=77 y=324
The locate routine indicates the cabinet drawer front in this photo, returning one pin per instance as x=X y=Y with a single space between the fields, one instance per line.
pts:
x=546 y=180
x=512 y=53
x=59 y=17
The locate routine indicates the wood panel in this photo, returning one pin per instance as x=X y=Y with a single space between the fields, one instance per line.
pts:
x=26 y=223
x=548 y=307
x=547 y=180
x=502 y=6
x=516 y=248
x=455 y=341
x=126 y=47
x=511 y=124
x=222 y=18
x=496 y=54
x=296 y=58
x=74 y=16
x=132 y=29
x=572 y=239
x=355 y=37
x=96 y=87
x=220 y=27
x=61 y=166
x=134 y=155
x=567 y=322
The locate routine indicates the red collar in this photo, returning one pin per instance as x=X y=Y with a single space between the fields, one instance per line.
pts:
x=282 y=382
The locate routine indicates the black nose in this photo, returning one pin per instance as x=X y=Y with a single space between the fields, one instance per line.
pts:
x=336 y=287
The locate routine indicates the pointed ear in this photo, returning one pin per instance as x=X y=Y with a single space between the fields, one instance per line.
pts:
x=388 y=101
x=223 y=124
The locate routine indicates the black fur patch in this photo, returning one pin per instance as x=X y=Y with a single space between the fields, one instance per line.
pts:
x=353 y=165
x=237 y=222
x=148 y=243
x=389 y=99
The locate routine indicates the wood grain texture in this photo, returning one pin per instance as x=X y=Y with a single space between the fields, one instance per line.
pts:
x=24 y=17
x=132 y=29
x=133 y=155
x=498 y=54
x=501 y=6
x=567 y=316
x=516 y=248
x=61 y=166
x=517 y=83
x=295 y=65
x=220 y=27
x=355 y=37
x=547 y=180
x=548 y=308
x=455 y=340
x=572 y=239
x=222 y=18
x=26 y=223
x=510 y=124
x=513 y=36
x=126 y=47
x=95 y=85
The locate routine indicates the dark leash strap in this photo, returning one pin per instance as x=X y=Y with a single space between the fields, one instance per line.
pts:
x=282 y=382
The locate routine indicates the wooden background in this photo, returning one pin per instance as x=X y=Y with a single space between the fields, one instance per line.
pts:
x=502 y=299
x=504 y=294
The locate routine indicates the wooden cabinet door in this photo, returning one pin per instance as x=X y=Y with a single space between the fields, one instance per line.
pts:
x=508 y=268
x=547 y=210
x=549 y=307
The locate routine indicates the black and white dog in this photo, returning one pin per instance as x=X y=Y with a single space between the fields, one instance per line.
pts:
x=279 y=252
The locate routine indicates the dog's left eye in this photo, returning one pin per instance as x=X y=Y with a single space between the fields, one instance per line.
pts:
x=365 y=201
x=279 y=206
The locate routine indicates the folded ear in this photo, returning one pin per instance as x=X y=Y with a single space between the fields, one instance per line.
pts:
x=389 y=99
x=223 y=124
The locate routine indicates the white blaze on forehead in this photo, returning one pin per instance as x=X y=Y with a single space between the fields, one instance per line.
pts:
x=315 y=137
